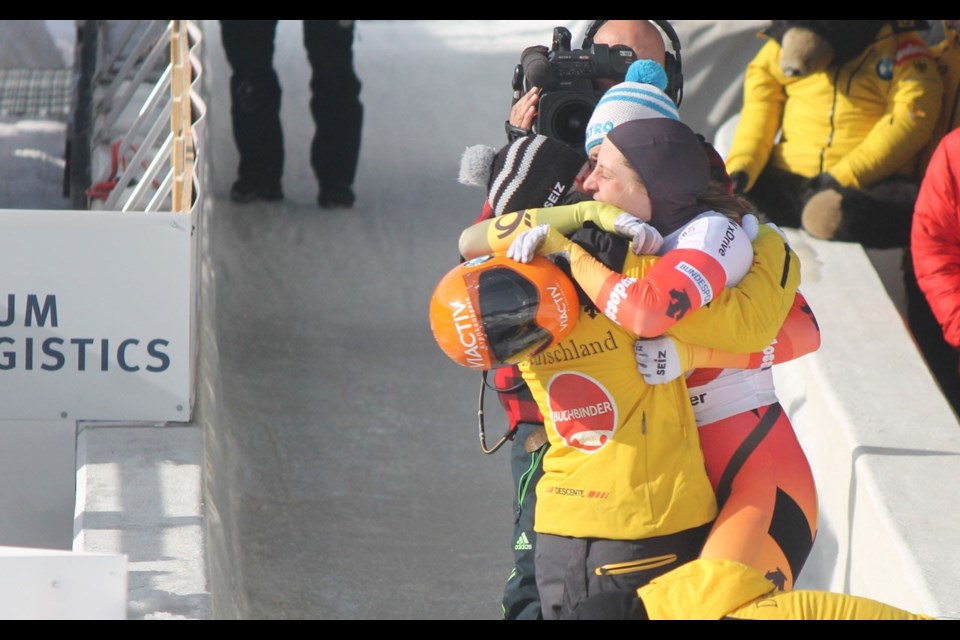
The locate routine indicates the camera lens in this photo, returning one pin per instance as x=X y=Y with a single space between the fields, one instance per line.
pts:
x=569 y=121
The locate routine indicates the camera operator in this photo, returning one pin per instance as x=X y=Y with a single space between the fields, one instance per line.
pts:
x=642 y=36
x=521 y=599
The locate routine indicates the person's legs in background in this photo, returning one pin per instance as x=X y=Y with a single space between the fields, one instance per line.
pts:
x=521 y=600
x=336 y=109
x=939 y=355
x=255 y=108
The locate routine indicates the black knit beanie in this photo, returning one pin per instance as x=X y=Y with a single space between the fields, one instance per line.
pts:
x=670 y=159
x=530 y=172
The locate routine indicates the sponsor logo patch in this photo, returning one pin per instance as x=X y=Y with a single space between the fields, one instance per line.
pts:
x=560 y=301
x=911 y=49
x=617 y=295
x=699 y=281
x=583 y=412
x=885 y=68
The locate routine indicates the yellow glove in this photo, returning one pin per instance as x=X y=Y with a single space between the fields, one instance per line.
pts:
x=496 y=234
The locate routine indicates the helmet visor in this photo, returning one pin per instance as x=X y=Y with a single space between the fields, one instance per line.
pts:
x=508 y=311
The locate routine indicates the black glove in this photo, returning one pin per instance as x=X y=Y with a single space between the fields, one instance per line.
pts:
x=821 y=182
x=739 y=180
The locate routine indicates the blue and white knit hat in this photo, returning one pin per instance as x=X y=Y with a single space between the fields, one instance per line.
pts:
x=641 y=95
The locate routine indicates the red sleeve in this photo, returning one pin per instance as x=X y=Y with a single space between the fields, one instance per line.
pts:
x=935 y=236
x=682 y=281
x=515 y=397
x=798 y=336
x=486 y=214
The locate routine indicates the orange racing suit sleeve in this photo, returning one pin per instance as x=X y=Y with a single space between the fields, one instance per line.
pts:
x=681 y=281
x=798 y=336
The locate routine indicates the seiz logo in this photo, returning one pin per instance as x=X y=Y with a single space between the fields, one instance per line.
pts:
x=467 y=334
x=508 y=223
x=555 y=194
x=617 y=295
x=561 y=303
x=661 y=361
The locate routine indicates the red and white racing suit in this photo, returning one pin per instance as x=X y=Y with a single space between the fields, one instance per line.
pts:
x=763 y=481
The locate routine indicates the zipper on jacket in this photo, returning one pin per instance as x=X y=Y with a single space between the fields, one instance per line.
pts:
x=632 y=566
x=833 y=112
x=833 y=107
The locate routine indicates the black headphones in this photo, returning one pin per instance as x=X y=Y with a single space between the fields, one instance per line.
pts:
x=671 y=65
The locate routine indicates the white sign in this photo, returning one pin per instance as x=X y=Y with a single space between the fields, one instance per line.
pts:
x=48 y=584
x=96 y=315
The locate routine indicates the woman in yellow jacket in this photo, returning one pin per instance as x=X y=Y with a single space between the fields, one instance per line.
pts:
x=843 y=166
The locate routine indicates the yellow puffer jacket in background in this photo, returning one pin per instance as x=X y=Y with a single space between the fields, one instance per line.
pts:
x=861 y=122
x=946 y=55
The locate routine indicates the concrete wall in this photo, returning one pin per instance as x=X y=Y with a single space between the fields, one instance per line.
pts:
x=884 y=445
x=883 y=442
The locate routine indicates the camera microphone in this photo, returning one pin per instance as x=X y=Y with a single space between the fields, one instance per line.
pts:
x=536 y=67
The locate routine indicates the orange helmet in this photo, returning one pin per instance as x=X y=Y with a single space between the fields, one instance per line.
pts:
x=493 y=311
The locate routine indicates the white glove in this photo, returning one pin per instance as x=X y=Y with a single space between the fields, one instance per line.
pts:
x=525 y=245
x=644 y=239
x=750 y=224
x=657 y=359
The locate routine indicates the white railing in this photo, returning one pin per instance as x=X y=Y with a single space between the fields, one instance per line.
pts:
x=144 y=112
x=134 y=139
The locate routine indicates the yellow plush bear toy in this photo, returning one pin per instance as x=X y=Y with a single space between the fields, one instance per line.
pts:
x=834 y=115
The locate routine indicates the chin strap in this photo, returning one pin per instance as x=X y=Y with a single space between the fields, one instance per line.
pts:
x=483 y=436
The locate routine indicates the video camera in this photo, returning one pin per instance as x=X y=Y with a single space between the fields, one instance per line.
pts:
x=566 y=80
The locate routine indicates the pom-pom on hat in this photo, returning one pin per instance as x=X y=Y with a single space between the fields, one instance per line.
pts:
x=640 y=95
x=530 y=172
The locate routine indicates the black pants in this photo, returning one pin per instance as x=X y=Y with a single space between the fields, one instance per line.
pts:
x=334 y=101
x=570 y=570
x=940 y=356
x=255 y=107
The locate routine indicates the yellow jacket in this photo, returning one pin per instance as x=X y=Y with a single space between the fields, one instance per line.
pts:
x=625 y=460
x=946 y=55
x=712 y=589
x=861 y=122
